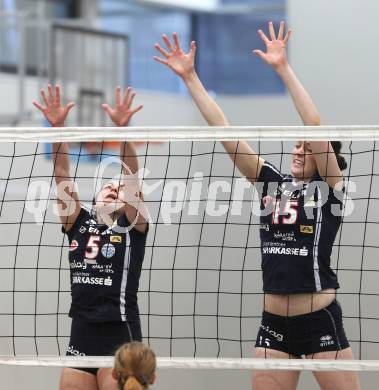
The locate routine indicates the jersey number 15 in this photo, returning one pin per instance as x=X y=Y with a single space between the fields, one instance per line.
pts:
x=286 y=216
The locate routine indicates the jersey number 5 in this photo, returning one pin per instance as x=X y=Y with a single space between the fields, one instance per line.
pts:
x=288 y=216
x=92 y=248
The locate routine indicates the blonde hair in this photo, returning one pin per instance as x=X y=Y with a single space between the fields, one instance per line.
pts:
x=135 y=364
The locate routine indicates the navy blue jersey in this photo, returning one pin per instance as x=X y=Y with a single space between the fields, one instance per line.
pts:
x=298 y=225
x=105 y=267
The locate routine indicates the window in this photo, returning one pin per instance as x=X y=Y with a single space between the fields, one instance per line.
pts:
x=225 y=62
x=144 y=27
x=35 y=37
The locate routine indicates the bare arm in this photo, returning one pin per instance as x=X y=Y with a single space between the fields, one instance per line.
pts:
x=276 y=57
x=121 y=115
x=67 y=197
x=327 y=163
x=183 y=64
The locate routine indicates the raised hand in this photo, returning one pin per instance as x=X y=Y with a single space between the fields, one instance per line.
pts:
x=123 y=111
x=276 y=53
x=54 y=111
x=182 y=63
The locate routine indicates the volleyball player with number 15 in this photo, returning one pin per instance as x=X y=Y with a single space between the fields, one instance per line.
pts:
x=300 y=217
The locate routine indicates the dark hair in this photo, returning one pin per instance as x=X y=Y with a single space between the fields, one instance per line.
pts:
x=337 y=145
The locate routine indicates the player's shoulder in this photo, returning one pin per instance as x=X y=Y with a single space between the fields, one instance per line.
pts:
x=86 y=215
x=270 y=172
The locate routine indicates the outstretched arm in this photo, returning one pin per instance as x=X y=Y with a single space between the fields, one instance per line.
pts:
x=183 y=64
x=67 y=197
x=276 y=57
x=120 y=116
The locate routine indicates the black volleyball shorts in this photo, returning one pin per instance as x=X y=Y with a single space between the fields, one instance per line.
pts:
x=305 y=334
x=100 y=338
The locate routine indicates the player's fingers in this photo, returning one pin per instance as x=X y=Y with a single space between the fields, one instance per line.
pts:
x=107 y=108
x=193 y=49
x=38 y=106
x=139 y=108
x=176 y=40
x=259 y=53
x=126 y=96
x=44 y=98
x=263 y=37
x=130 y=102
x=287 y=37
x=281 y=31
x=162 y=51
x=58 y=94
x=271 y=30
x=118 y=95
x=161 y=60
x=70 y=106
x=51 y=94
x=167 y=42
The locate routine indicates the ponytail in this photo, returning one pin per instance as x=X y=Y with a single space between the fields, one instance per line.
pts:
x=135 y=365
x=337 y=145
x=132 y=383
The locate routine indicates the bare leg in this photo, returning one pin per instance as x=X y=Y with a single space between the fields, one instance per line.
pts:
x=72 y=379
x=274 y=379
x=105 y=379
x=331 y=380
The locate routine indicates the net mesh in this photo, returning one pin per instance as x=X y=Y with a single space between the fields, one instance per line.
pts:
x=200 y=291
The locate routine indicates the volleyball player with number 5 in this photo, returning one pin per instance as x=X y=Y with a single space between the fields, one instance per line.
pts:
x=300 y=217
x=107 y=246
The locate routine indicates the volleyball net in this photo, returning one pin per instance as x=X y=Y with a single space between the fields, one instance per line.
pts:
x=200 y=293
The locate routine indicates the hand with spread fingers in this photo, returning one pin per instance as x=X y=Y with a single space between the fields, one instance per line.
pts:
x=54 y=111
x=276 y=48
x=182 y=63
x=123 y=112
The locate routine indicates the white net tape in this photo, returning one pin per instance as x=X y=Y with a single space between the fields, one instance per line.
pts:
x=184 y=133
x=203 y=363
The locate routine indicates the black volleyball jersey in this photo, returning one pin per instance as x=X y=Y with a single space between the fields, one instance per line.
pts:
x=298 y=225
x=105 y=267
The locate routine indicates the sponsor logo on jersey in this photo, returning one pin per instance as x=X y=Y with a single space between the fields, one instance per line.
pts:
x=116 y=239
x=92 y=280
x=272 y=332
x=306 y=229
x=326 y=340
x=276 y=250
x=289 y=236
x=82 y=229
x=291 y=190
x=310 y=202
x=93 y=229
x=74 y=244
x=91 y=222
x=78 y=265
x=108 y=250
x=72 y=351
x=265 y=226
x=265 y=341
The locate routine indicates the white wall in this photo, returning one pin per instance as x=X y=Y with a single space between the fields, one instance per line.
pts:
x=333 y=51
